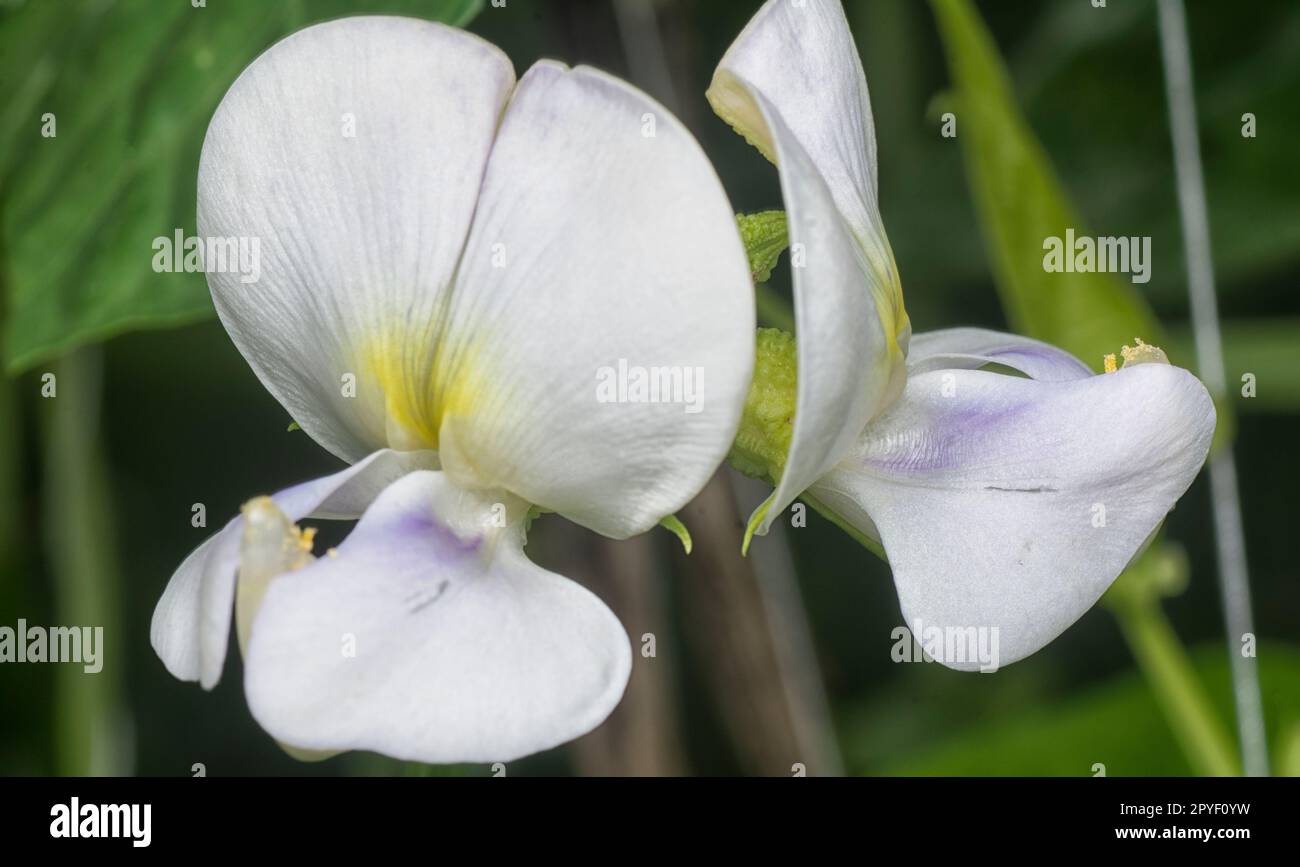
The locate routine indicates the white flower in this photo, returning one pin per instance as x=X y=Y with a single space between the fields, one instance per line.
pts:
x=1003 y=502
x=448 y=258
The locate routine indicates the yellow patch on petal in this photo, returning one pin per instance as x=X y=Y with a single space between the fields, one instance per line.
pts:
x=422 y=390
x=895 y=323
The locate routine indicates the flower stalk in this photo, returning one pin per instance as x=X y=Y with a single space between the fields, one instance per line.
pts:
x=1178 y=691
x=89 y=734
x=1234 y=574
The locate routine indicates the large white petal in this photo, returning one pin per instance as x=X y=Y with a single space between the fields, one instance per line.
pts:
x=430 y=637
x=850 y=365
x=988 y=491
x=802 y=59
x=191 y=623
x=972 y=348
x=352 y=152
x=793 y=85
x=602 y=237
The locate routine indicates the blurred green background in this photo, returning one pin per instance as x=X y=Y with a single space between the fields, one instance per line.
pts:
x=761 y=664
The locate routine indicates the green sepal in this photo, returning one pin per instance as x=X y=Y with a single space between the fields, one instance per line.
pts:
x=678 y=529
x=754 y=520
x=763 y=439
x=765 y=238
x=534 y=512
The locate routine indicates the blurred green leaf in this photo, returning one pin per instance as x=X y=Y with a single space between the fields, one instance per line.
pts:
x=1269 y=349
x=1020 y=202
x=1117 y=724
x=1090 y=82
x=131 y=85
x=1287 y=750
x=1162 y=570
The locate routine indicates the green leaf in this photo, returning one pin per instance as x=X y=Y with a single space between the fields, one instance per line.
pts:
x=765 y=237
x=1287 y=751
x=1020 y=203
x=1159 y=572
x=1134 y=599
x=1117 y=724
x=131 y=85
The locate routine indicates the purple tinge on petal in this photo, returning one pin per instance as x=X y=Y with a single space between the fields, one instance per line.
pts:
x=423 y=528
x=971 y=348
x=410 y=526
x=1041 y=362
x=946 y=440
x=458 y=648
x=1012 y=504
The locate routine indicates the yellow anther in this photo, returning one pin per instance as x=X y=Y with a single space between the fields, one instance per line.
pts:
x=1143 y=353
x=1108 y=362
x=299 y=539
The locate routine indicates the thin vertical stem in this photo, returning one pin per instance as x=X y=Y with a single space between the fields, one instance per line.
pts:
x=10 y=447
x=642 y=737
x=1233 y=569
x=796 y=655
x=90 y=723
x=779 y=669
x=647 y=61
x=726 y=622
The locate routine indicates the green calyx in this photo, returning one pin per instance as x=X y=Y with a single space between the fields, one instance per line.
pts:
x=763 y=440
x=765 y=237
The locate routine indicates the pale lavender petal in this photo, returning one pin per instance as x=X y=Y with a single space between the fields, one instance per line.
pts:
x=972 y=348
x=1010 y=504
x=191 y=623
x=429 y=636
